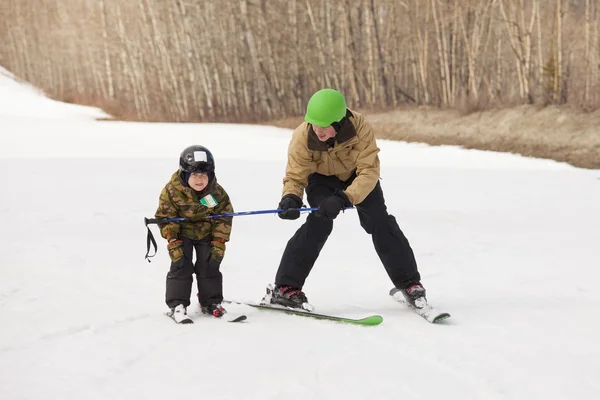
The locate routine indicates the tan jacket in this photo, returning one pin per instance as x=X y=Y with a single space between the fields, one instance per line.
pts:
x=355 y=149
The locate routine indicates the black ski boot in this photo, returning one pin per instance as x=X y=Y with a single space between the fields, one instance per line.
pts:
x=415 y=295
x=289 y=296
x=216 y=310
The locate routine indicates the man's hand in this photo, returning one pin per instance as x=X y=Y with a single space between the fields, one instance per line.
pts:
x=288 y=204
x=330 y=207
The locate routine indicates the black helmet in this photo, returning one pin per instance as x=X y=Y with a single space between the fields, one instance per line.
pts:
x=197 y=159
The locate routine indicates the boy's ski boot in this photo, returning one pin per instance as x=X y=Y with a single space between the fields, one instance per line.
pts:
x=216 y=310
x=415 y=295
x=287 y=296
x=179 y=315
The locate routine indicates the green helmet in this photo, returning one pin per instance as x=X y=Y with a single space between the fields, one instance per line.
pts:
x=325 y=107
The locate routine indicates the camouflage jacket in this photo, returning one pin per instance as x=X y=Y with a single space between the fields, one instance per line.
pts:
x=179 y=200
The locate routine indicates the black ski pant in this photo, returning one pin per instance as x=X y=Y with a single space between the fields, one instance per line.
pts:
x=391 y=245
x=180 y=276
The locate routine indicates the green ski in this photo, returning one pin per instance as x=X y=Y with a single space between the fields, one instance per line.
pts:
x=371 y=320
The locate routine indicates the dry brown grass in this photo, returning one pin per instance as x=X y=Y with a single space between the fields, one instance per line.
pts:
x=560 y=134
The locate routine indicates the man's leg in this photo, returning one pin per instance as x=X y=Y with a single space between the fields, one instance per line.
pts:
x=180 y=279
x=391 y=245
x=303 y=248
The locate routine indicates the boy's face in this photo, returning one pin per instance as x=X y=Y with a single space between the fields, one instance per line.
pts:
x=324 y=132
x=198 y=181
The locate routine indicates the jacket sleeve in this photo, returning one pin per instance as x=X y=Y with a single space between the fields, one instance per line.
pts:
x=367 y=165
x=221 y=229
x=167 y=209
x=299 y=166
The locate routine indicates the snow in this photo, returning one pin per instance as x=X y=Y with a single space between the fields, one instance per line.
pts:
x=506 y=244
x=23 y=100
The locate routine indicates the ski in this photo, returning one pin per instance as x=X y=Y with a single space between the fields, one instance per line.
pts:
x=239 y=318
x=429 y=313
x=185 y=320
x=226 y=317
x=371 y=320
x=188 y=320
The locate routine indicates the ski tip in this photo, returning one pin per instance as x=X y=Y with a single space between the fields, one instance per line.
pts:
x=440 y=318
x=371 y=320
x=240 y=318
x=393 y=291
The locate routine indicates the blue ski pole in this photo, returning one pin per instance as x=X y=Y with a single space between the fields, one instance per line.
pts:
x=233 y=214
x=150 y=238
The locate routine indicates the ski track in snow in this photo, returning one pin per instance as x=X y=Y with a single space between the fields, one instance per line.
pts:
x=5 y=296
x=75 y=330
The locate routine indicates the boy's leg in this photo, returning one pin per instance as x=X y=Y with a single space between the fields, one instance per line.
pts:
x=209 y=279
x=391 y=245
x=304 y=247
x=180 y=279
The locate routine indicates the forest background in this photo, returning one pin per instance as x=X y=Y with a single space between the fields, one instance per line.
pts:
x=508 y=75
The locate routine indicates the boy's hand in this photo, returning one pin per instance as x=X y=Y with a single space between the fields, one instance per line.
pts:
x=217 y=253
x=175 y=248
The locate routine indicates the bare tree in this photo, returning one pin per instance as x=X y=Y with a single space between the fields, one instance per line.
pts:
x=190 y=60
x=558 y=70
x=519 y=35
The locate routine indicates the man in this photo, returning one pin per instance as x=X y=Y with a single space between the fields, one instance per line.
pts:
x=333 y=155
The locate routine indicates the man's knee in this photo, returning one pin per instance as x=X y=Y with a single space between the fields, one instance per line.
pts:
x=318 y=227
x=378 y=222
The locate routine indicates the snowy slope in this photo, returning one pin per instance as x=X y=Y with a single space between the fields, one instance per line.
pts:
x=506 y=244
x=23 y=100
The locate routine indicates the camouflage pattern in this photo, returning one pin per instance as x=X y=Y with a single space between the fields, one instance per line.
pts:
x=179 y=200
x=175 y=250
x=218 y=250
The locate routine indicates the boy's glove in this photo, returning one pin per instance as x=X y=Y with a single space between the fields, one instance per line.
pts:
x=287 y=204
x=330 y=207
x=216 y=254
x=175 y=248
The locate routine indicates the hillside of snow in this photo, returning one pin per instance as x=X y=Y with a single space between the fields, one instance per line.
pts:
x=19 y=99
x=506 y=244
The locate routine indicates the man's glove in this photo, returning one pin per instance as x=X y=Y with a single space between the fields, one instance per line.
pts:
x=175 y=248
x=287 y=204
x=217 y=253
x=330 y=207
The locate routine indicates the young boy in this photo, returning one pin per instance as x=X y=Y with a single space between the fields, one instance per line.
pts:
x=193 y=193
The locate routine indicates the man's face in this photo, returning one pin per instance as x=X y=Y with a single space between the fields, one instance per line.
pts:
x=324 y=133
